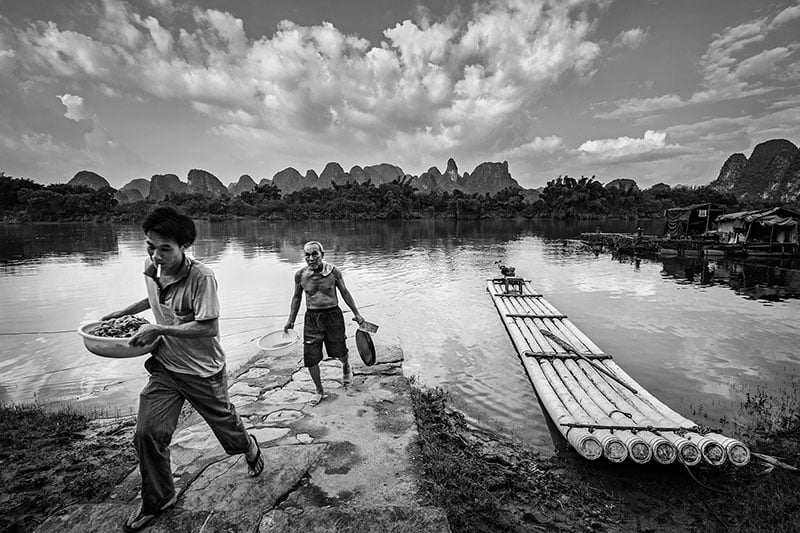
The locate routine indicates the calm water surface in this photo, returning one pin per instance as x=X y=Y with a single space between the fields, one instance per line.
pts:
x=700 y=335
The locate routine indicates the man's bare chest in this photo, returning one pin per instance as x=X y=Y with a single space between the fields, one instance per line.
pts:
x=315 y=284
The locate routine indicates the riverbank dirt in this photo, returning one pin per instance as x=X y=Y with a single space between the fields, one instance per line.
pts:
x=484 y=483
x=52 y=459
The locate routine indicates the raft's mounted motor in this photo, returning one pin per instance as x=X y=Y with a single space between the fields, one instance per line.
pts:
x=512 y=284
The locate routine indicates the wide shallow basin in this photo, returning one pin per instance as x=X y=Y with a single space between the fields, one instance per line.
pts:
x=116 y=347
x=278 y=341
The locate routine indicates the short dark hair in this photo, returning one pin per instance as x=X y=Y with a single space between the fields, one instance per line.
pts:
x=169 y=223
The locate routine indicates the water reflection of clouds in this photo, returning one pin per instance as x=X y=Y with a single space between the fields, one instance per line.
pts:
x=722 y=346
x=602 y=274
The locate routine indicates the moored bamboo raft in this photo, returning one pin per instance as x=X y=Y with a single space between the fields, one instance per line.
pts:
x=598 y=408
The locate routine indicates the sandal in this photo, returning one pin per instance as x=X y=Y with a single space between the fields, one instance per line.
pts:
x=316 y=399
x=256 y=466
x=137 y=521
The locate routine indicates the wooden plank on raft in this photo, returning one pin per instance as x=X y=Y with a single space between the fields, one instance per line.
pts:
x=566 y=355
x=529 y=315
x=597 y=406
x=620 y=427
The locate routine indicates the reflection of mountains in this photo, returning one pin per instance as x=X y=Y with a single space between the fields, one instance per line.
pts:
x=774 y=280
x=286 y=238
x=95 y=243
x=23 y=242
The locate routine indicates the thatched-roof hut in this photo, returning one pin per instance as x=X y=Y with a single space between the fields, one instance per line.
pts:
x=691 y=220
x=771 y=231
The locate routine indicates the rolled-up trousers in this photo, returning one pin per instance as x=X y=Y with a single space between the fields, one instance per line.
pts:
x=160 y=404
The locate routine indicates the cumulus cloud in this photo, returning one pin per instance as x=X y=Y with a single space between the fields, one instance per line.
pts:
x=76 y=109
x=631 y=38
x=538 y=146
x=109 y=91
x=791 y=73
x=719 y=63
x=785 y=103
x=633 y=107
x=41 y=143
x=6 y=62
x=449 y=82
x=762 y=64
x=781 y=119
x=7 y=47
x=626 y=146
x=730 y=68
x=706 y=127
x=162 y=4
x=787 y=15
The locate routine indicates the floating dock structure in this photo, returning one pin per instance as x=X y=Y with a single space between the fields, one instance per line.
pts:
x=598 y=408
x=625 y=243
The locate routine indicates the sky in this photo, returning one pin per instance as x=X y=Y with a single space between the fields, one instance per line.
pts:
x=659 y=91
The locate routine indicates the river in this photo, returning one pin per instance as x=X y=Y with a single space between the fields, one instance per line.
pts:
x=700 y=335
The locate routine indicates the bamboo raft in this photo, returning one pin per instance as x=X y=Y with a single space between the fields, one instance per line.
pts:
x=598 y=408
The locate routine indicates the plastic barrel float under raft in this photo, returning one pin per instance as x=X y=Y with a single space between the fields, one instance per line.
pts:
x=598 y=408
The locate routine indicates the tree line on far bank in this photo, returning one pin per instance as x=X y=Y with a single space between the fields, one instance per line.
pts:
x=23 y=200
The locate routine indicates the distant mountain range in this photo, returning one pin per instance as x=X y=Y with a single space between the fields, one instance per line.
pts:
x=770 y=174
x=486 y=178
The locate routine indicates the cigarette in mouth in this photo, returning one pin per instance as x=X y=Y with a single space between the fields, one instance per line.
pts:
x=158 y=271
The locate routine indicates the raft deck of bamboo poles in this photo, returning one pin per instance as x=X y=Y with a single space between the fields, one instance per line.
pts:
x=598 y=408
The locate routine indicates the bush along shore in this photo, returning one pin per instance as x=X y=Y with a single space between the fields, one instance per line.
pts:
x=23 y=200
x=50 y=459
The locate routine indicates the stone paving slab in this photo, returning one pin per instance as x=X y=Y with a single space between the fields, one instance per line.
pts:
x=108 y=517
x=222 y=487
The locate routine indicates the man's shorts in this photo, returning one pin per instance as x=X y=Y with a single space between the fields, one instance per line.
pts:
x=323 y=326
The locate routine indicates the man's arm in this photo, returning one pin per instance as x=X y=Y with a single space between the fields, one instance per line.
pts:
x=190 y=330
x=297 y=298
x=136 y=307
x=205 y=306
x=346 y=296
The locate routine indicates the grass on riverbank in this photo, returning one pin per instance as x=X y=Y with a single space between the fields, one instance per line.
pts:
x=489 y=485
x=52 y=459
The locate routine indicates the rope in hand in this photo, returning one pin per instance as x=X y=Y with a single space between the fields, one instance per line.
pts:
x=51 y=332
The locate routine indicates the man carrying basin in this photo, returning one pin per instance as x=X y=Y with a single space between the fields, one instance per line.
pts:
x=187 y=364
x=324 y=321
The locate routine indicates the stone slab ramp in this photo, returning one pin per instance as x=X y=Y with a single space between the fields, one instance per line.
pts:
x=342 y=465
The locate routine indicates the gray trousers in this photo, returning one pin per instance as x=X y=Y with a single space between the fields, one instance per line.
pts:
x=160 y=404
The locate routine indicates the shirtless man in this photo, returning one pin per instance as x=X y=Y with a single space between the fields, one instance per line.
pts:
x=324 y=321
